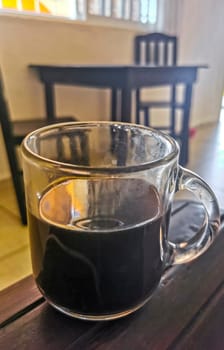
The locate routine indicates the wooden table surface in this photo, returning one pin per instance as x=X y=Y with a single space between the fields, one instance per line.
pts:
x=123 y=77
x=185 y=312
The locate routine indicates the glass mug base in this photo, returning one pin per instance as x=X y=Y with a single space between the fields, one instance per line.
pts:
x=105 y=317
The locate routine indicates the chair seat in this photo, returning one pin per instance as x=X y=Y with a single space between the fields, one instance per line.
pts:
x=23 y=127
x=157 y=104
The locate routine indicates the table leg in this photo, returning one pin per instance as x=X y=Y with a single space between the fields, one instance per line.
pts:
x=184 y=154
x=173 y=110
x=50 y=102
x=126 y=105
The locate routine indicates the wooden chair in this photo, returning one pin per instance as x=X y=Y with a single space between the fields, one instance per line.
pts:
x=13 y=134
x=158 y=49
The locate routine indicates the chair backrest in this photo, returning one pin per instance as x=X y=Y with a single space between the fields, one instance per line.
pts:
x=155 y=49
x=11 y=153
x=4 y=115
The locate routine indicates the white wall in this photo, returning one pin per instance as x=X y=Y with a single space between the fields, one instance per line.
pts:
x=201 y=30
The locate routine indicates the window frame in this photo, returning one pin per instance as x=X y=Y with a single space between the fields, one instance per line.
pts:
x=90 y=19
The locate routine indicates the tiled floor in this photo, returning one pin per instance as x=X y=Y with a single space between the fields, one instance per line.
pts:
x=206 y=158
x=14 y=242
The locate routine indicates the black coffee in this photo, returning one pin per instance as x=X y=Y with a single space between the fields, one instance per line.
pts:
x=82 y=266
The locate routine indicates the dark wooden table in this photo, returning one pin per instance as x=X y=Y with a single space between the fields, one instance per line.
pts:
x=186 y=311
x=120 y=77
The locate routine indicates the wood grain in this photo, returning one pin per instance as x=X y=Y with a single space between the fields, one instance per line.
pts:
x=43 y=328
x=205 y=331
x=17 y=297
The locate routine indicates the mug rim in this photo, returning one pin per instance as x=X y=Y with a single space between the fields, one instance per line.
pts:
x=26 y=150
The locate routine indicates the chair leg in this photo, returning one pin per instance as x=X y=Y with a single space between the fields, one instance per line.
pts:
x=184 y=153
x=20 y=197
x=60 y=148
x=17 y=182
x=84 y=142
x=146 y=117
x=114 y=116
x=79 y=148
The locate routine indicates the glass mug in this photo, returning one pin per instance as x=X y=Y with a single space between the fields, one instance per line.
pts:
x=99 y=198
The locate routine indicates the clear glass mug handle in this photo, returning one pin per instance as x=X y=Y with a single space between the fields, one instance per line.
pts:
x=186 y=251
